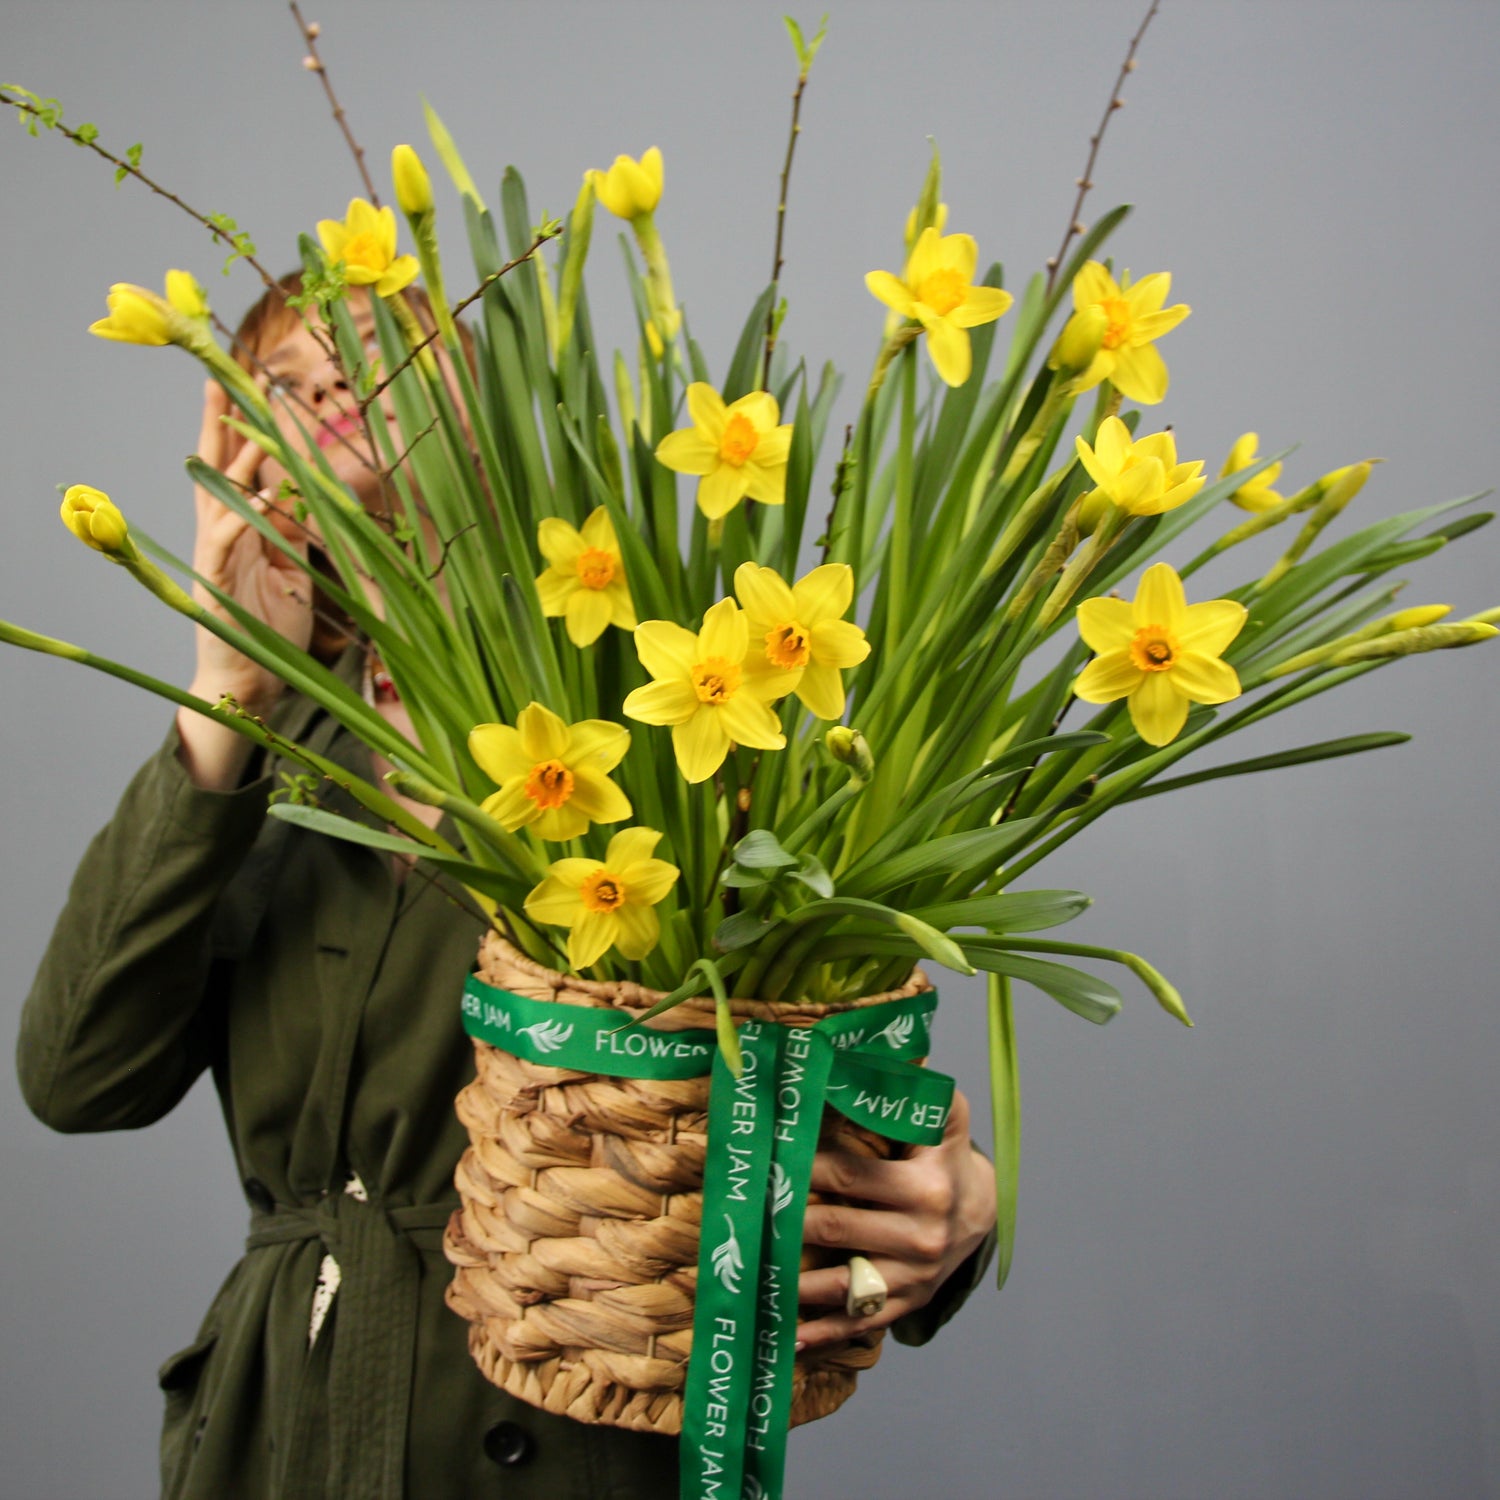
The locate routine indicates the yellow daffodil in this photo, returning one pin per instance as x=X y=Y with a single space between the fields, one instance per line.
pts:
x=585 y=582
x=939 y=222
x=413 y=186
x=1159 y=651
x=606 y=903
x=139 y=316
x=1135 y=320
x=366 y=243
x=738 y=449
x=937 y=289
x=702 y=689
x=553 y=776
x=96 y=521
x=801 y=629
x=1142 y=477
x=1255 y=494
x=630 y=188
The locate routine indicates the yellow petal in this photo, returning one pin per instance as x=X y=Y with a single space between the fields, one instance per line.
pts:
x=555 y=901
x=1106 y=624
x=1135 y=488
x=1140 y=374
x=593 y=935
x=1107 y=677
x=1157 y=709
x=588 y=614
x=1153 y=325
x=774 y=447
x=759 y=409
x=767 y=485
x=399 y=274
x=1205 y=679
x=725 y=632
x=720 y=491
x=1209 y=627
x=707 y=410
x=497 y=752
x=981 y=304
x=647 y=881
x=629 y=847
x=598 y=743
x=1160 y=445
x=621 y=605
x=599 y=531
x=1093 y=284
x=559 y=824
x=838 y=643
x=1147 y=295
x=560 y=544
x=959 y=252
x=544 y=736
x=748 y=721
x=701 y=743
x=822 y=691
x=687 y=451
x=661 y=703
x=666 y=649
x=925 y=257
x=823 y=594
x=638 y=930
x=1173 y=495
x=1112 y=444
x=1241 y=454
x=949 y=348
x=597 y=798
x=765 y=595
x=891 y=290
x=510 y=806
x=554 y=588
x=333 y=236
x=1159 y=599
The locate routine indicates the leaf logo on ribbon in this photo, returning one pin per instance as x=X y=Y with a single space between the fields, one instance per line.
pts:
x=781 y=1193
x=898 y=1033
x=547 y=1036
x=754 y=1489
x=728 y=1262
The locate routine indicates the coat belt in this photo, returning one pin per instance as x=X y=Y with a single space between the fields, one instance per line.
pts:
x=374 y=1338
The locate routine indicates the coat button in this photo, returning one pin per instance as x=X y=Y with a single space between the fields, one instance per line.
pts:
x=259 y=1195
x=506 y=1443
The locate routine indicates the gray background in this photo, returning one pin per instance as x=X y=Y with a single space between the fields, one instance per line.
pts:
x=1255 y=1259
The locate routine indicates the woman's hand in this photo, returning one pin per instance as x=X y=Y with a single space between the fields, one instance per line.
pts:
x=233 y=555
x=925 y=1216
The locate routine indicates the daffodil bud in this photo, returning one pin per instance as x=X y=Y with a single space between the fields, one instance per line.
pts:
x=185 y=295
x=1096 y=505
x=913 y=228
x=1412 y=642
x=936 y=945
x=1339 y=486
x=576 y=250
x=1080 y=340
x=1417 y=616
x=413 y=186
x=136 y=316
x=848 y=747
x=630 y=188
x=96 y=521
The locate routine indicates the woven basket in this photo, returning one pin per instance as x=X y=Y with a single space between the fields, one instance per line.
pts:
x=576 y=1243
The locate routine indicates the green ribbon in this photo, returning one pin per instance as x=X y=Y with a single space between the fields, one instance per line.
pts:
x=762 y=1136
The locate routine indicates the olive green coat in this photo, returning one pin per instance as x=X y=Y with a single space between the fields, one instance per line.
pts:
x=323 y=994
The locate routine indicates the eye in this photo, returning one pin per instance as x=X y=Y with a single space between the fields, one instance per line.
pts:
x=281 y=383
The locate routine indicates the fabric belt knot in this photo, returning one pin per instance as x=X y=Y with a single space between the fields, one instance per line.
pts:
x=374 y=1340
x=763 y=1131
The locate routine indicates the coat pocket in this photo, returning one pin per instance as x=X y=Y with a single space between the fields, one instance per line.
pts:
x=181 y=1382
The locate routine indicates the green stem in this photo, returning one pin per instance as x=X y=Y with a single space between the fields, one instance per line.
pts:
x=1005 y=1106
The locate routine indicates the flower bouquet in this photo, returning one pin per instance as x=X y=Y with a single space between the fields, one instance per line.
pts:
x=724 y=755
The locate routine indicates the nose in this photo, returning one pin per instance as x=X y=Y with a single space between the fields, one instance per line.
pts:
x=327 y=382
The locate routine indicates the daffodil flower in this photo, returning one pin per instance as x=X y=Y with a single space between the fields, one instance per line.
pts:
x=1135 y=319
x=1255 y=494
x=937 y=289
x=1141 y=476
x=702 y=689
x=801 y=629
x=608 y=903
x=139 y=316
x=738 y=449
x=553 y=776
x=585 y=581
x=365 y=241
x=1160 y=652
x=630 y=188
x=96 y=521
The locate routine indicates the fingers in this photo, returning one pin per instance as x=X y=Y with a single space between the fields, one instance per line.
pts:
x=212 y=433
x=873 y=1231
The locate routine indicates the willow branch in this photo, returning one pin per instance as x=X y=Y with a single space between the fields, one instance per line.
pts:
x=314 y=64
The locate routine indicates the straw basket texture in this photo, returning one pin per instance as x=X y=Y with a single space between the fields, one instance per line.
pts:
x=576 y=1245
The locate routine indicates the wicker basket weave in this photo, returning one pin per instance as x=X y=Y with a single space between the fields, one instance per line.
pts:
x=576 y=1243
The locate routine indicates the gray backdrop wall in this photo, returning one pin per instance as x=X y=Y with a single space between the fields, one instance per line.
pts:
x=1255 y=1259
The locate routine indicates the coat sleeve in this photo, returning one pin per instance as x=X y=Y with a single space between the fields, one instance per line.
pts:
x=120 y=1021
x=920 y=1326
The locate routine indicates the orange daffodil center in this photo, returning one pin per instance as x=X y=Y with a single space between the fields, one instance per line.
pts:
x=738 y=450
x=608 y=903
x=800 y=629
x=1141 y=476
x=937 y=290
x=553 y=777
x=706 y=686
x=1134 y=320
x=365 y=241
x=1159 y=652
x=585 y=580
